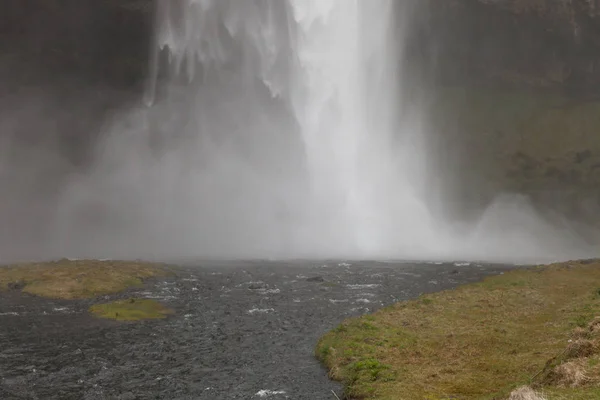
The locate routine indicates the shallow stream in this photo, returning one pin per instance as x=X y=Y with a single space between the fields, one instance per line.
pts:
x=242 y=330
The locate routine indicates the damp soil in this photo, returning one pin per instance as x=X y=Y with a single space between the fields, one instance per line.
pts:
x=242 y=330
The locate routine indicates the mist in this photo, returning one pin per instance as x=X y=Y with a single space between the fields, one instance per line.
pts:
x=266 y=130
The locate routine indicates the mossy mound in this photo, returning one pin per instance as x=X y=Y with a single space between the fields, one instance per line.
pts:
x=77 y=279
x=480 y=341
x=131 y=310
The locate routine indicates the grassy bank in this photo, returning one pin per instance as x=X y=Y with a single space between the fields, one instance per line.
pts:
x=81 y=279
x=481 y=341
x=77 y=279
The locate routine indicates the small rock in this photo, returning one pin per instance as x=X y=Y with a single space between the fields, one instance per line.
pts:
x=257 y=286
x=20 y=285
x=589 y=261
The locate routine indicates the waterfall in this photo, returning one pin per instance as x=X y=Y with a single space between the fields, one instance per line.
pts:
x=325 y=72
x=281 y=129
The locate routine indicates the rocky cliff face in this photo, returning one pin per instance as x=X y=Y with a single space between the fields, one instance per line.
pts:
x=95 y=40
x=65 y=66
x=515 y=106
x=533 y=43
x=521 y=43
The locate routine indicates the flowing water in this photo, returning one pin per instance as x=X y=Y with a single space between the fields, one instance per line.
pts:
x=242 y=330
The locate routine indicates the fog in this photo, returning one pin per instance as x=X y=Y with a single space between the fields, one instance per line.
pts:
x=267 y=129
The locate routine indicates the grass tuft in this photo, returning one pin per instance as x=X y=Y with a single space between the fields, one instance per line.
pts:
x=525 y=393
x=569 y=374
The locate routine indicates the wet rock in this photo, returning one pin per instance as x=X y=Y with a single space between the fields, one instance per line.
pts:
x=258 y=286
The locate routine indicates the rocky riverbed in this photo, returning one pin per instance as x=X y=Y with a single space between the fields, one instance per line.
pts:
x=242 y=330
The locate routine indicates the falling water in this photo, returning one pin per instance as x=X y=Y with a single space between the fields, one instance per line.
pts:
x=345 y=96
x=333 y=67
x=279 y=129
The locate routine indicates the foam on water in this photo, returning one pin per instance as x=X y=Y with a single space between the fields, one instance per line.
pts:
x=256 y=310
x=269 y=393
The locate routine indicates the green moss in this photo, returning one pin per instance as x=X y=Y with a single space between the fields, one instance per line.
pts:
x=371 y=366
x=426 y=301
x=131 y=310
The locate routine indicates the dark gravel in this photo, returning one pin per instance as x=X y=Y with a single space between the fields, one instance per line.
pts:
x=242 y=330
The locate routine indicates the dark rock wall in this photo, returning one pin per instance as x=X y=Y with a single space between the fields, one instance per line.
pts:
x=509 y=43
x=518 y=43
x=96 y=40
x=533 y=43
x=67 y=65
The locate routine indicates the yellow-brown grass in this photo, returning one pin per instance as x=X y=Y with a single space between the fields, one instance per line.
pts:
x=480 y=341
x=76 y=279
x=570 y=374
